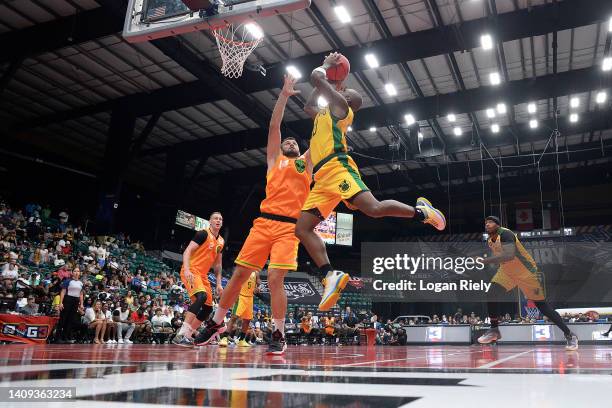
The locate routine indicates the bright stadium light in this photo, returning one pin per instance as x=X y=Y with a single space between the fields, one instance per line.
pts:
x=322 y=102
x=457 y=131
x=490 y=113
x=373 y=129
x=451 y=117
x=574 y=102
x=531 y=107
x=501 y=108
x=533 y=123
x=601 y=97
x=349 y=129
x=391 y=91
x=495 y=128
x=607 y=64
x=255 y=30
x=409 y=119
x=574 y=117
x=372 y=61
x=486 y=42
x=343 y=14
x=610 y=25
x=494 y=78
x=294 y=72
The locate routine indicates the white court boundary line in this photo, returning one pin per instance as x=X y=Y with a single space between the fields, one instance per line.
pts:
x=503 y=360
x=404 y=359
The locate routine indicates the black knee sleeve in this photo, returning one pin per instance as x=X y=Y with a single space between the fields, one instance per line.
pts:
x=196 y=305
x=204 y=312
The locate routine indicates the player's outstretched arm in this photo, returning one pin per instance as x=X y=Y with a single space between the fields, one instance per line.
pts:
x=274 y=132
x=311 y=107
x=318 y=78
x=508 y=251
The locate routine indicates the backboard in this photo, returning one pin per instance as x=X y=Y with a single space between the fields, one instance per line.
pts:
x=150 y=19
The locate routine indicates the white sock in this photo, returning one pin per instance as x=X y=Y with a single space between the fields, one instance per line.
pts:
x=219 y=315
x=279 y=324
x=185 y=330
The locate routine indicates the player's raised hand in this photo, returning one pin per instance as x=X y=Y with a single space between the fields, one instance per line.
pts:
x=332 y=59
x=288 y=89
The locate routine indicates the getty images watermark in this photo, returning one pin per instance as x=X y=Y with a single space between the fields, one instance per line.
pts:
x=406 y=264
x=455 y=271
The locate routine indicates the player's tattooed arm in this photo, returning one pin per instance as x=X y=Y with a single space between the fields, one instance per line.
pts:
x=508 y=251
x=318 y=78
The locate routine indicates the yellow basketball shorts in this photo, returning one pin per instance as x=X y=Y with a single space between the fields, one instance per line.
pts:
x=243 y=308
x=526 y=280
x=338 y=180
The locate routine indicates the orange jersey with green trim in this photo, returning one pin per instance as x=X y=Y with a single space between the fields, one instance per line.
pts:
x=204 y=256
x=287 y=186
x=329 y=135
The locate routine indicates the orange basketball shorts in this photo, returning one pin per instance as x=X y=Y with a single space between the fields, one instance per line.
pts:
x=270 y=239
x=200 y=283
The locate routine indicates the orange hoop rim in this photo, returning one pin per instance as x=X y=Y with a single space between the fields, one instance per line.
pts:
x=221 y=37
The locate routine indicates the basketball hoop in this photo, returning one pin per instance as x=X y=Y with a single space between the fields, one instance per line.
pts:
x=235 y=44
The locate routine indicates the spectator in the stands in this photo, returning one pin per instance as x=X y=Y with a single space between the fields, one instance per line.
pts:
x=21 y=301
x=96 y=320
x=155 y=284
x=143 y=325
x=31 y=308
x=111 y=326
x=125 y=326
x=10 y=272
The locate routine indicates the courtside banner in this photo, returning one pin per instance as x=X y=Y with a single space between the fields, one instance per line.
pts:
x=26 y=329
x=298 y=291
x=460 y=271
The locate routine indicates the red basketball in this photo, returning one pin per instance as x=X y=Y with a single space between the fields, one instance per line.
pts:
x=340 y=71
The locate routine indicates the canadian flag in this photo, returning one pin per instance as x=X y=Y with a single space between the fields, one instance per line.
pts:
x=524 y=217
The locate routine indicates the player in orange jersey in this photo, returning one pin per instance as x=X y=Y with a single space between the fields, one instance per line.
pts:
x=203 y=251
x=273 y=232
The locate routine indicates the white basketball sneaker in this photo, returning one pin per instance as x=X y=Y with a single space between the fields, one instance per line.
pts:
x=334 y=282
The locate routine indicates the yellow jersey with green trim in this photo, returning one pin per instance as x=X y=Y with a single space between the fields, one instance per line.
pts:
x=248 y=287
x=522 y=259
x=329 y=135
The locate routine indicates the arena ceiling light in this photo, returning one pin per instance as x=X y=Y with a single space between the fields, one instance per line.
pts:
x=372 y=60
x=390 y=88
x=601 y=97
x=255 y=30
x=574 y=117
x=490 y=113
x=574 y=102
x=486 y=41
x=293 y=71
x=322 y=102
x=409 y=119
x=501 y=108
x=342 y=14
x=531 y=107
x=373 y=129
x=451 y=117
x=533 y=123
x=606 y=65
x=610 y=25
x=495 y=128
x=457 y=131
x=494 y=78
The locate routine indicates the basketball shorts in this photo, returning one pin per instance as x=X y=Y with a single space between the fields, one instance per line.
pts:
x=200 y=284
x=270 y=239
x=338 y=180
x=243 y=308
x=526 y=280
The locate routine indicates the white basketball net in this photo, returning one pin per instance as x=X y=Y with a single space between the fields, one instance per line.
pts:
x=235 y=45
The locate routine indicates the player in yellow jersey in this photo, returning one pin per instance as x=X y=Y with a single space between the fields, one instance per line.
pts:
x=202 y=253
x=516 y=268
x=336 y=177
x=243 y=309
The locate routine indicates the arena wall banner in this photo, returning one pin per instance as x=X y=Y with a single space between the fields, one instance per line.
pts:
x=578 y=272
x=26 y=329
x=299 y=290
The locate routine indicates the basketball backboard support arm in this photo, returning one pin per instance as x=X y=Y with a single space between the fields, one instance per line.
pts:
x=146 y=20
